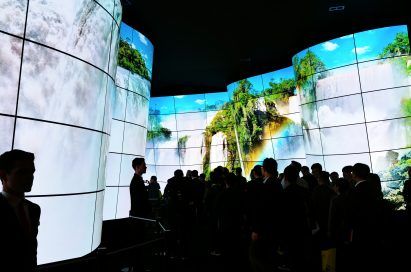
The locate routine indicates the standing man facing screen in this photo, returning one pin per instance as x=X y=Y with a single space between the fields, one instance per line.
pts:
x=20 y=217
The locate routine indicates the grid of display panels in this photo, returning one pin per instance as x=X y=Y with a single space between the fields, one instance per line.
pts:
x=129 y=119
x=57 y=68
x=356 y=99
x=267 y=119
x=183 y=134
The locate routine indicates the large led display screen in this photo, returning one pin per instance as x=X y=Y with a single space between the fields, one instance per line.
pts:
x=190 y=132
x=57 y=69
x=267 y=119
x=257 y=118
x=356 y=103
x=129 y=118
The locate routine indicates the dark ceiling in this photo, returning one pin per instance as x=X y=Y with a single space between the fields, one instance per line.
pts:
x=202 y=46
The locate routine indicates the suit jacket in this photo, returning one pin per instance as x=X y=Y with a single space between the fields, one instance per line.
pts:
x=140 y=206
x=18 y=251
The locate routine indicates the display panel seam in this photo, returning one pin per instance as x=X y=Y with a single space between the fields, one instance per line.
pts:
x=131 y=123
x=68 y=194
x=70 y=55
x=20 y=70
x=58 y=123
x=128 y=90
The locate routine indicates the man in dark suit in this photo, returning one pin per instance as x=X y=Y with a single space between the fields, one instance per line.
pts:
x=140 y=205
x=19 y=216
x=364 y=219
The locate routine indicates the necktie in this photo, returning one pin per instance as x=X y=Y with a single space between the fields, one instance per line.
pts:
x=21 y=213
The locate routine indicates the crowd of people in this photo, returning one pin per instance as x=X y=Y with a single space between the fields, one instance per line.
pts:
x=275 y=221
x=281 y=221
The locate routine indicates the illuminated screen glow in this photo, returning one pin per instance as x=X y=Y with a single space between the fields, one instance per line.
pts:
x=57 y=62
x=129 y=118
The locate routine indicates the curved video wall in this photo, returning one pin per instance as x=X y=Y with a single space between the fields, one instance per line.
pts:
x=343 y=101
x=129 y=119
x=356 y=99
x=267 y=119
x=58 y=61
x=189 y=132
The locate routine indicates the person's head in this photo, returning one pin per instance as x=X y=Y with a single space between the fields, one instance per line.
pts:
x=139 y=166
x=17 y=171
x=270 y=167
x=290 y=174
x=202 y=177
x=360 y=171
x=194 y=174
x=178 y=173
x=297 y=165
x=341 y=186
x=153 y=179
x=189 y=174
x=334 y=176
x=305 y=170
x=316 y=169
x=375 y=181
x=258 y=171
x=324 y=177
x=347 y=172
x=238 y=171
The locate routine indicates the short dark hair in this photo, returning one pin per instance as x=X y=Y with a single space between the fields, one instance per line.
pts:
x=325 y=177
x=194 y=173
x=154 y=178
x=361 y=170
x=270 y=165
x=317 y=166
x=178 y=173
x=136 y=162
x=257 y=170
x=291 y=173
x=297 y=165
x=347 y=168
x=7 y=159
x=305 y=168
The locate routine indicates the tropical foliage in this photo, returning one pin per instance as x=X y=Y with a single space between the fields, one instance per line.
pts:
x=130 y=59
x=397 y=172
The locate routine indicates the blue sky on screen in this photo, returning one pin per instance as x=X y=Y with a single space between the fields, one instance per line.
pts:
x=215 y=101
x=371 y=43
x=190 y=103
x=164 y=105
x=139 y=42
x=277 y=76
x=337 y=52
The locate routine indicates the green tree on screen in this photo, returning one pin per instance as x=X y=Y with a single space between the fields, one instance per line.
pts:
x=400 y=46
x=130 y=59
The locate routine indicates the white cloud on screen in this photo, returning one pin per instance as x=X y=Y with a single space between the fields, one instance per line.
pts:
x=142 y=39
x=329 y=46
x=361 y=50
x=200 y=101
x=179 y=96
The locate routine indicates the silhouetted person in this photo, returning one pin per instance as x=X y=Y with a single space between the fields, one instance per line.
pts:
x=296 y=231
x=364 y=219
x=265 y=229
x=316 y=169
x=140 y=207
x=240 y=180
x=347 y=174
x=154 y=196
x=338 y=229
x=309 y=178
x=19 y=217
x=334 y=176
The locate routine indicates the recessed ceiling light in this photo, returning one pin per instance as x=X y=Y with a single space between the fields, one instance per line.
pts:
x=336 y=8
